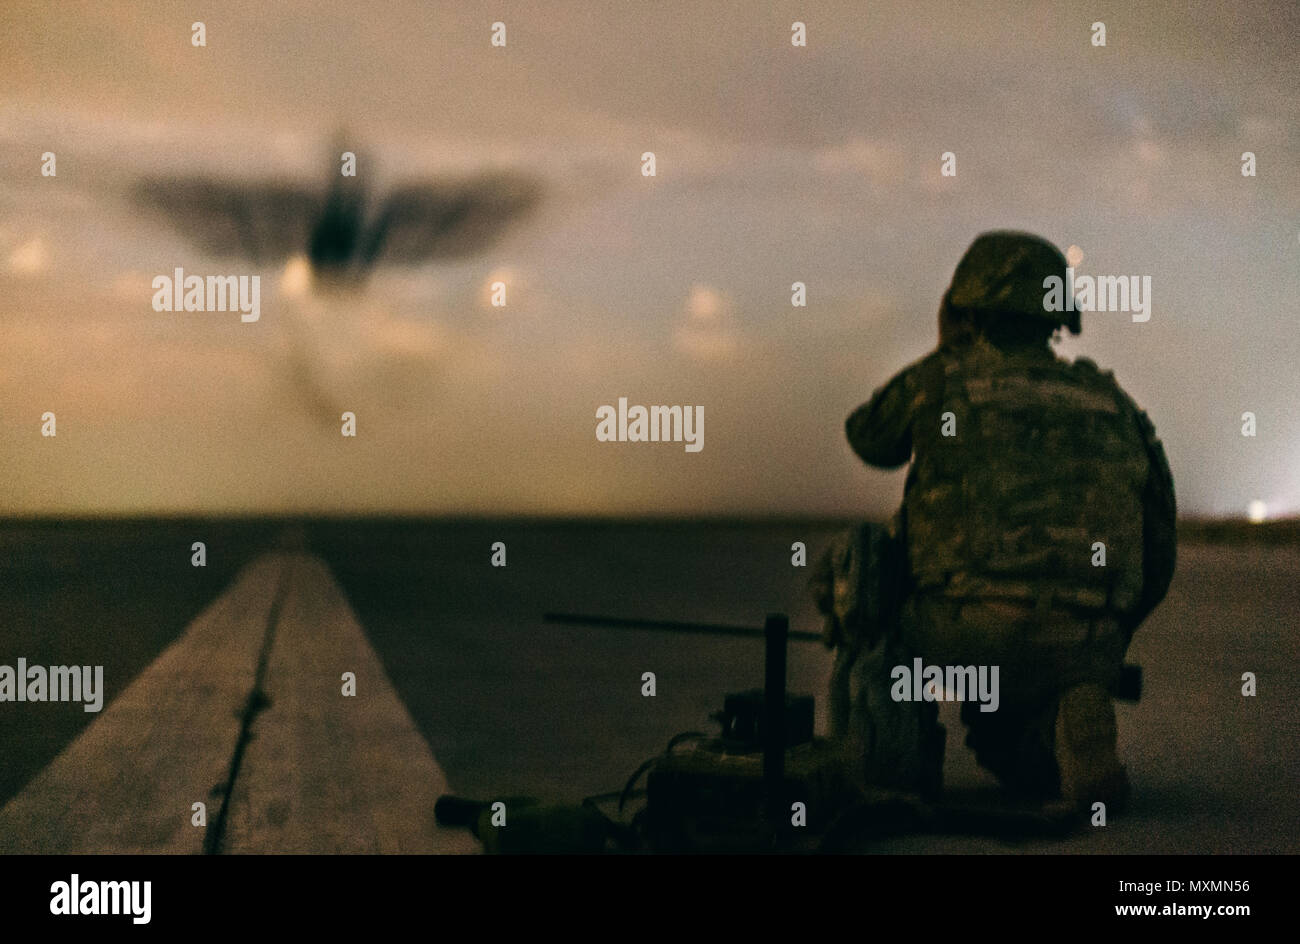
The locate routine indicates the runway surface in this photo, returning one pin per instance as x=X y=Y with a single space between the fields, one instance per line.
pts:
x=464 y=687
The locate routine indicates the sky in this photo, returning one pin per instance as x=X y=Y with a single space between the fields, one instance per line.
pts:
x=774 y=164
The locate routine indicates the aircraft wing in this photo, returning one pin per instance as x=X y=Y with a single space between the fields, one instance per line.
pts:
x=417 y=223
x=262 y=222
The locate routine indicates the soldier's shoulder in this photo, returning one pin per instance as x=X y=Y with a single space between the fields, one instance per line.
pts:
x=1087 y=367
x=941 y=358
x=1086 y=370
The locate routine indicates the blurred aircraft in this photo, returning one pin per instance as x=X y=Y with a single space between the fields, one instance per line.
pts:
x=338 y=233
x=342 y=231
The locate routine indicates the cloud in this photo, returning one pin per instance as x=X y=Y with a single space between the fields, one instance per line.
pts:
x=874 y=160
x=397 y=337
x=775 y=164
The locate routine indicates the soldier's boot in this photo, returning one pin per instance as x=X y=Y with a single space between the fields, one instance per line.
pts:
x=1085 y=750
x=1016 y=745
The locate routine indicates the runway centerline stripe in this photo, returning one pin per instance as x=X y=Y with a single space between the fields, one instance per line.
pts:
x=245 y=713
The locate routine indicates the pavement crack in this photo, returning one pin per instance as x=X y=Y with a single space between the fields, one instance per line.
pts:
x=257 y=702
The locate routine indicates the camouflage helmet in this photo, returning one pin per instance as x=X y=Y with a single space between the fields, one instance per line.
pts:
x=1003 y=271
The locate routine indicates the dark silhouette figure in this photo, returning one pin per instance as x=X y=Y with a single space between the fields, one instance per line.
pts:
x=342 y=231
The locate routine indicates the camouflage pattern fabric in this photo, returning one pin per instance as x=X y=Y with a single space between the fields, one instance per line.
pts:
x=1000 y=522
x=1047 y=459
x=1159 y=529
x=858 y=585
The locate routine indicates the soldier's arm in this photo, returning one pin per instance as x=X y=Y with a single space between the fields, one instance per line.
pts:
x=880 y=431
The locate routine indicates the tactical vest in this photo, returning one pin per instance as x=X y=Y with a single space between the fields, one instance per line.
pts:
x=1047 y=460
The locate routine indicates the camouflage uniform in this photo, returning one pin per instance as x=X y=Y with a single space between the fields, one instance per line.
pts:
x=1002 y=521
x=857 y=584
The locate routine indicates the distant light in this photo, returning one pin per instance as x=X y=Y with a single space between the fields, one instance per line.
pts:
x=1073 y=255
x=296 y=278
x=1256 y=511
x=29 y=258
x=704 y=303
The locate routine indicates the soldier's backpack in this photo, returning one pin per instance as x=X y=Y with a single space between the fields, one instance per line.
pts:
x=1038 y=497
